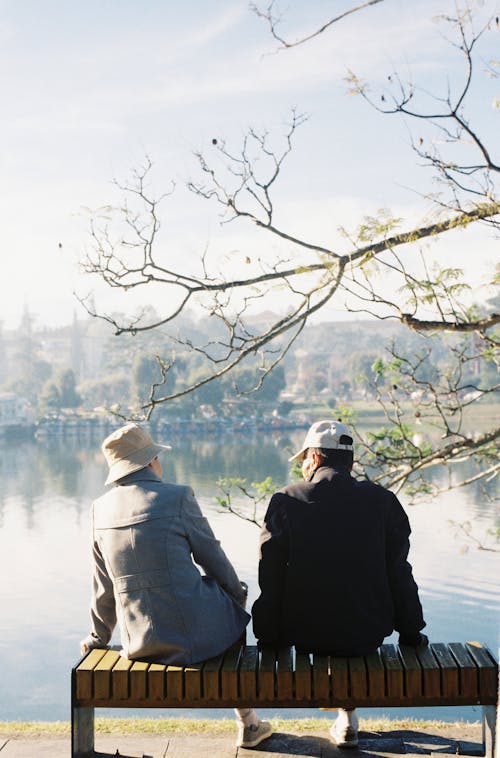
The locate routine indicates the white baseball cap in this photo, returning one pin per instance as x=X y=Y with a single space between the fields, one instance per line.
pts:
x=325 y=434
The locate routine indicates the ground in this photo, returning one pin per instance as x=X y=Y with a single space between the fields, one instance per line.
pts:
x=183 y=738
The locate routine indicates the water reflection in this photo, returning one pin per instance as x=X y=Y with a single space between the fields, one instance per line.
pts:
x=46 y=488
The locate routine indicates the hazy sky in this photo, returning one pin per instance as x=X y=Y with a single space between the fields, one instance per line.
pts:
x=89 y=88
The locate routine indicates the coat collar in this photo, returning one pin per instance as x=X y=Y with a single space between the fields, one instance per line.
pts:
x=328 y=473
x=142 y=475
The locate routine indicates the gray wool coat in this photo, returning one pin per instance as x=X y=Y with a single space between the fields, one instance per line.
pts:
x=147 y=537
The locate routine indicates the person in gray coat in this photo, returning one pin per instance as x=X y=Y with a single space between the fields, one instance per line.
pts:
x=148 y=539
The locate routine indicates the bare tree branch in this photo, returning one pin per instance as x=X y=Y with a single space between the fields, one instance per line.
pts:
x=273 y=18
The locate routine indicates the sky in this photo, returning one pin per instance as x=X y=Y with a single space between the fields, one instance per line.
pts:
x=91 y=88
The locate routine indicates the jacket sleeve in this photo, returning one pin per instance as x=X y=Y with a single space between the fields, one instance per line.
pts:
x=267 y=611
x=207 y=551
x=408 y=616
x=102 y=607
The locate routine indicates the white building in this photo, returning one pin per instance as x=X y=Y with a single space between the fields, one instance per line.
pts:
x=15 y=412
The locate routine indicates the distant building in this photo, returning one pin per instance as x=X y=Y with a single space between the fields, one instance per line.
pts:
x=16 y=415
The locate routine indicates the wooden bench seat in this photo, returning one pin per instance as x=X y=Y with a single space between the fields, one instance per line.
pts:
x=442 y=674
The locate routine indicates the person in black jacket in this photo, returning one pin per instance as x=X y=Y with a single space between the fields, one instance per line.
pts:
x=333 y=572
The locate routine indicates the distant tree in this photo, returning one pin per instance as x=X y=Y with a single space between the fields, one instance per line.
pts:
x=246 y=383
x=77 y=352
x=361 y=368
x=285 y=408
x=28 y=372
x=50 y=397
x=149 y=371
x=212 y=393
x=107 y=391
x=145 y=373
x=3 y=357
x=60 y=392
x=65 y=382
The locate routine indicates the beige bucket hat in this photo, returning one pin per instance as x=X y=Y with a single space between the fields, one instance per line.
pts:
x=325 y=434
x=129 y=449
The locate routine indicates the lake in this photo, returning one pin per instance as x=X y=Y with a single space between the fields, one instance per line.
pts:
x=46 y=489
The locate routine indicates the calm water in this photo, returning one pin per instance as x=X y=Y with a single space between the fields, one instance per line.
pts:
x=45 y=492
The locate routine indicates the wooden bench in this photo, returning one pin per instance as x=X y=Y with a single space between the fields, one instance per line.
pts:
x=442 y=674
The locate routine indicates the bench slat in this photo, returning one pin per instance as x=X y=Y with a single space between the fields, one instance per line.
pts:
x=211 y=678
x=84 y=673
x=138 y=680
x=265 y=676
x=376 y=675
x=156 y=681
x=248 y=674
x=229 y=674
x=340 y=678
x=467 y=671
x=412 y=671
x=393 y=670
x=488 y=677
x=175 y=682
x=284 y=676
x=431 y=676
x=321 y=677
x=303 y=677
x=102 y=674
x=193 y=682
x=357 y=676
x=449 y=671
x=120 y=678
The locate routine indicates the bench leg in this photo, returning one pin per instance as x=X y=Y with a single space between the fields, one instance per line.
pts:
x=82 y=732
x=489 y=729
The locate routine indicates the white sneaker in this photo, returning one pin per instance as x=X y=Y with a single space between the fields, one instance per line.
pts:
x=253 y=735
x=344 y=732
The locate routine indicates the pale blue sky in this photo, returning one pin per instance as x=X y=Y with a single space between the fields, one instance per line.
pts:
x=88 y=88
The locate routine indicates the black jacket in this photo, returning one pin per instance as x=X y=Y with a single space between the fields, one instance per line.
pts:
x=333 y=572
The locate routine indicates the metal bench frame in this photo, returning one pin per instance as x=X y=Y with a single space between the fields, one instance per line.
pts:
x=395 y=676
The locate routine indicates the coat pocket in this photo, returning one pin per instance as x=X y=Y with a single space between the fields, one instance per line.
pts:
x=134 y=593
x=143 y=581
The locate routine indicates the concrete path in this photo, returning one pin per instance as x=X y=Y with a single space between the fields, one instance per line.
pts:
x=462 y=740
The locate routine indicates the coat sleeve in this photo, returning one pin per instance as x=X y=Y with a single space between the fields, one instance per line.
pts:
x=408 y=616
x=207 y=551
x=102 y=607
x=267 y=611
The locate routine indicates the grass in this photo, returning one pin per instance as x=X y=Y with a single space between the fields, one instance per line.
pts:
x=370 y=413
x=181 y=726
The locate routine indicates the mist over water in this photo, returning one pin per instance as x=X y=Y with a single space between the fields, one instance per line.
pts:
x=46 y=488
